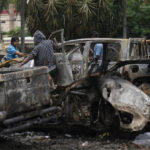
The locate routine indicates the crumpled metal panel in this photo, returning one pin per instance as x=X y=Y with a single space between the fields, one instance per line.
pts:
x=2 y=101
x=24 y=90
x=64 y=75
x=85 y=53
x=125 y=97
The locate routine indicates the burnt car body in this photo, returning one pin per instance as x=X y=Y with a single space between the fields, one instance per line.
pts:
x=100 y=96
x=74 y=65
x=112 y=100
x=75 y=59
x=24 y=97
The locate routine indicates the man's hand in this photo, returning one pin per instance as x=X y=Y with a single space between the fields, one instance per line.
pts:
x=24 y=61
x=95 y=59
x=52 y=37
x=20 y=65
x=21 y=54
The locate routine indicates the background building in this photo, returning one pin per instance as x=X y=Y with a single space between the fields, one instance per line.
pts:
x=9 y=19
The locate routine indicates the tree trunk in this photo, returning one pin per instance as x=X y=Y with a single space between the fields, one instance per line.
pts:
x=3 y=2
x=145 y=1
x=2 y=5
x=124 y=19
x=22 y=24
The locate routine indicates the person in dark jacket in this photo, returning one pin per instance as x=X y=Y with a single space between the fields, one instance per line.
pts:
x=43 y=54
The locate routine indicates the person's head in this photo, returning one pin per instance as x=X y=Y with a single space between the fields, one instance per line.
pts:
x=15 y=41
x=95 y=34
x=38 y=37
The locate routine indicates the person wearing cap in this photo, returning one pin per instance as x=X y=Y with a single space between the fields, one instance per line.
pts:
x=12 y=50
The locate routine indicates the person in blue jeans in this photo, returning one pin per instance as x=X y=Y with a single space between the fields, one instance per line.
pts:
x=12 y=50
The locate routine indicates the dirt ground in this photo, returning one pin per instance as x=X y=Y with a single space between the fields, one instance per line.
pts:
x=42 y=141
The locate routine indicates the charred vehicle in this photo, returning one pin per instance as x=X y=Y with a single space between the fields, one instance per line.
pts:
x=86 y=94
x=114 y=101
x=102 y=91
x=24 y=98
x=78 y=56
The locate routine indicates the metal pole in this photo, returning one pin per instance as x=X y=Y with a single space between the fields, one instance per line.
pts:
x=124 y=19
x=22 y=25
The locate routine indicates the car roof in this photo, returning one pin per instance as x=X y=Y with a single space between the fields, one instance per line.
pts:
x=94 y=40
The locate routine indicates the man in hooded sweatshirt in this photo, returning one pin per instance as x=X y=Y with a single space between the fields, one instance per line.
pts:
x=43 y=54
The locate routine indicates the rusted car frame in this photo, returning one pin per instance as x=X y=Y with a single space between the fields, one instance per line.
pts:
x=21 y=101
x=118 y=100
x=128 y=50
x=81 y=48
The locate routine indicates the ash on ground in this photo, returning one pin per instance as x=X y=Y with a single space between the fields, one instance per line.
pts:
x=43 y=141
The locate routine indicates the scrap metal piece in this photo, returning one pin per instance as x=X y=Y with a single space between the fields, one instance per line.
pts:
x=26 y=125
x=20 y=90
x=32 y=114
x=127 y=98
x=9 y=62
x=145 y=87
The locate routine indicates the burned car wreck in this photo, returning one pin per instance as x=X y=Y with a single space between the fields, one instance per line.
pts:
x=86 y=93
x=116 y=101
x=21 y=101
x=123 y=80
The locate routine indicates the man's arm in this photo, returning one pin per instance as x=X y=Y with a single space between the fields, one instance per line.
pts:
x=13 y=51
x=31 y=56
x=24 y=61
x=19 y=53
x=55 y=43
